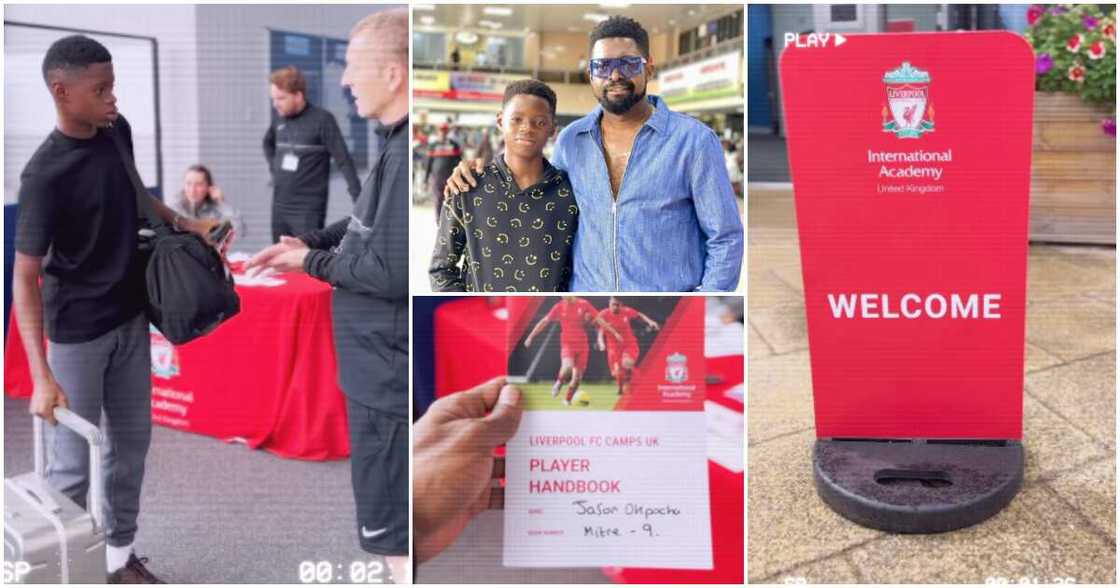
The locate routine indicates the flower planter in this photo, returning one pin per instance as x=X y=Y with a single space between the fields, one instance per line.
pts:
x=1073 y=172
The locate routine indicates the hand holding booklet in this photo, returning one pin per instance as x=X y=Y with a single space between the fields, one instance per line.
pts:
x=609 y=466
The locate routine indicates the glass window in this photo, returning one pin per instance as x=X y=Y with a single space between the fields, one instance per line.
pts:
x=724 y=28
x=717 y=31
x=429 y=47
x=689 y=42
x=504 y=52
x=843 y=13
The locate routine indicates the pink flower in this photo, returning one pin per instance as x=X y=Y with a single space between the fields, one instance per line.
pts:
x=1076 y=73
x=1109 y=31
x=1096 y=50
x=1034 y=13
x=1074 y=43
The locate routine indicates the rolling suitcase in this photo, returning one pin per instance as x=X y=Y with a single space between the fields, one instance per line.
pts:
x=48 y=539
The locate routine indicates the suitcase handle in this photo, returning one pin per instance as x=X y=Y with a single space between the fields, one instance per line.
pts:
x=92 y=435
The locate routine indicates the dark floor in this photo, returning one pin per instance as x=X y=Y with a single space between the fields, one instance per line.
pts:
x=214 y=512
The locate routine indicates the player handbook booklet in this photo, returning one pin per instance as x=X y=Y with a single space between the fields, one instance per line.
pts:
x=609 y=465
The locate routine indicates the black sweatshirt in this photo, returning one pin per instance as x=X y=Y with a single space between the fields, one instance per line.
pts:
x=299 y=150
x=508 y=239
x=365 y=258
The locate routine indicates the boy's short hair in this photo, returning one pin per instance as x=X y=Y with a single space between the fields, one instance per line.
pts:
x=622 y=27
x=289 y=79
x=530 y=88
x=74 y=52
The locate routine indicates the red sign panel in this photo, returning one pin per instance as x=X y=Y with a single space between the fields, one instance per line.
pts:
x=910 y=156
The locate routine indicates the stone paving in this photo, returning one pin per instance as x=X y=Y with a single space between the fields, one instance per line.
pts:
x=1061 y=526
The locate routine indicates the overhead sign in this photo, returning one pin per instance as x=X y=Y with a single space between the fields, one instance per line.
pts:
x=489 y=87
x=430 y=83
x=462 y=85
x=714 y=77
x=913 y=229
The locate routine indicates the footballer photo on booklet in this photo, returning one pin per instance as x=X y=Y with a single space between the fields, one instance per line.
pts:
x=570 y=334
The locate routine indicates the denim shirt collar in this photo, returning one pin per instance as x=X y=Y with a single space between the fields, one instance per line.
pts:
x=658 y=121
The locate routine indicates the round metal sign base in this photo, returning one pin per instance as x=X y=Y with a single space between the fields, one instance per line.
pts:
x=917 y=486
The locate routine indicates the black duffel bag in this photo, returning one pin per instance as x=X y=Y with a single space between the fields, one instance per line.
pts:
x=190 y=288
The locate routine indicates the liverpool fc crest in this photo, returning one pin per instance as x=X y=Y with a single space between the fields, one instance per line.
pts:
x=908 y=113
x=676 y=368
x=165 y=358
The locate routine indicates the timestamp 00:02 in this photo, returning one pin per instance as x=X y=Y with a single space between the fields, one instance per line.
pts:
x=358 y=572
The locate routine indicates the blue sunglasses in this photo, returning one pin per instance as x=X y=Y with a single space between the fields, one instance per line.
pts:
x=629 y=66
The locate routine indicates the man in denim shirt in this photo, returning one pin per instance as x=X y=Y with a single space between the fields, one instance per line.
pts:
x=657 y=210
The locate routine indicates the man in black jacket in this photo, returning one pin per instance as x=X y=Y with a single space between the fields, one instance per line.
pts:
x=365 y=258
x=444 y=153
x=299 y=146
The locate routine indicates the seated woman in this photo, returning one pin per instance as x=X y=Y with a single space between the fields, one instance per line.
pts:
x=201 y=198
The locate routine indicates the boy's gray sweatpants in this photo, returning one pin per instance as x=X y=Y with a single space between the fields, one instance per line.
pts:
x=111 y=373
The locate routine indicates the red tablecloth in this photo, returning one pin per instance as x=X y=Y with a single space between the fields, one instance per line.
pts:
x=469 y=349
x=266 y=377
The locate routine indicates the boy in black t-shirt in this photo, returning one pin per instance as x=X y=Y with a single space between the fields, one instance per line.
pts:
x=77 y=228
x=514 y=232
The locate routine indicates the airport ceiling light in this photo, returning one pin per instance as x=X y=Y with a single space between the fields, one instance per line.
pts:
x=490 y=24
x=497 y=11
x=427 y=20
x=466 y=37
x=423 y=7
x=595 y=17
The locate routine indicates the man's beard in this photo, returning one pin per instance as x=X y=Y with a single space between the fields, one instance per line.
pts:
x=621 y=105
